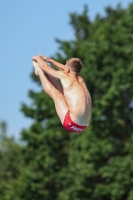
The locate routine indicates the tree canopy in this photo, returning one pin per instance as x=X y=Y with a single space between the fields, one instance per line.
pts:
x=11 y=162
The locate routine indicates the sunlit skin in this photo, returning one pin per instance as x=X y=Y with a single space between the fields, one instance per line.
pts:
x=72 y=94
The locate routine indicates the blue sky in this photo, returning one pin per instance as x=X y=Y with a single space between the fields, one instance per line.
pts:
x=27 y=28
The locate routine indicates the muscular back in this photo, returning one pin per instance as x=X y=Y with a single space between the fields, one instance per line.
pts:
x=77 y=97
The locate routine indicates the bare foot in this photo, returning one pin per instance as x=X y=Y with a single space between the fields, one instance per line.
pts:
x=36 y=67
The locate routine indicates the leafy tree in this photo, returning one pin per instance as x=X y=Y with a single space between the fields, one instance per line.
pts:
x=10 y=162
x=97 y=164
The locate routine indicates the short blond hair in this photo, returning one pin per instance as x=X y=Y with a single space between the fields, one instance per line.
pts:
x=75 y=64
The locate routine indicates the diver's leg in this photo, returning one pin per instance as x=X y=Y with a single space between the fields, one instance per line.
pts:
x=58 y=97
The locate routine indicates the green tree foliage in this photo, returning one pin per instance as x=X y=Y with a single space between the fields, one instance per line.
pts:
x=97 y=164
x=10 y=162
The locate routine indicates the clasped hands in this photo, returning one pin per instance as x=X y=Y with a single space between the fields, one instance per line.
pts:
x=46 y=59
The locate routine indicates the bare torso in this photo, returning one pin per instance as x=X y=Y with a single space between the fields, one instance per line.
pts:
x=77 y=97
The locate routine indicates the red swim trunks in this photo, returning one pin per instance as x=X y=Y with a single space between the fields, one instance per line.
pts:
x=70 y=126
